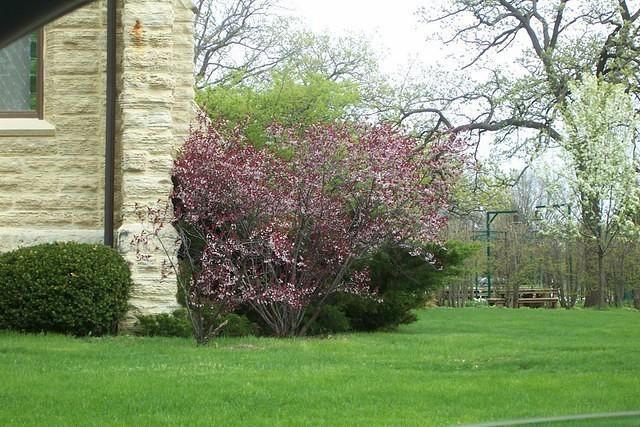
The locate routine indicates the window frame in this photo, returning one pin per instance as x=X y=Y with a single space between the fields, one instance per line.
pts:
x=38 y=113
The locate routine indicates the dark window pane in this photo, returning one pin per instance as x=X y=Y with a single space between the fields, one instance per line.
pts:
x=18 y=75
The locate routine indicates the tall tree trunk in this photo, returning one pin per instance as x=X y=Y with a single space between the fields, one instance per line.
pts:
x=602 y=279
x=619 y=277
x=593 y=253
x=591 y=280
x=568 y=289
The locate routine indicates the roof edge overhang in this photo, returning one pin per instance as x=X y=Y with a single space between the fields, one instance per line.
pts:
x=21 y=17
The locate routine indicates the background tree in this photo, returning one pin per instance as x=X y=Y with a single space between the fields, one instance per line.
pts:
x=600 y=168
x=292 y=101
x=237 y=39
x=529 y=52
x=324 y=80
x=524 y=55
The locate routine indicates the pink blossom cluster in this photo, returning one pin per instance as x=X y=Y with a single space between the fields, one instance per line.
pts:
x=281 y=230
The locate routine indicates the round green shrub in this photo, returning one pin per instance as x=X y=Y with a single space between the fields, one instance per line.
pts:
x=72 y=288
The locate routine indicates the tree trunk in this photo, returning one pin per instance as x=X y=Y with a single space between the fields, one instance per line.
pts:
x=591 y=281
x=602 y=279
x=636 y=298
x=567 y=296
x=619 y=280
x=568 y=291
x=619 y=292
x=596 y=294
x=314 y=316
x=594 y=268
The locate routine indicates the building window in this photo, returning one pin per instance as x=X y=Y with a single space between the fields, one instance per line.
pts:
x=21 y=77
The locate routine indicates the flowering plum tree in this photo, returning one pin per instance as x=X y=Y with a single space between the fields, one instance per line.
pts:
x=279 y=228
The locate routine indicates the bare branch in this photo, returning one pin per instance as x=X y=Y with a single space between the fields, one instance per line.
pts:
x=238 y=35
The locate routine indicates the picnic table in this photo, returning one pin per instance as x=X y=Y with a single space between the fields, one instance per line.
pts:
x=527 y=297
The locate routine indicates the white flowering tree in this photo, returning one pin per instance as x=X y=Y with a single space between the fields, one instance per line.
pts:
x=600 y=171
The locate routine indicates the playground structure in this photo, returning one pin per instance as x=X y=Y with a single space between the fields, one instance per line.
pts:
x=516 y=267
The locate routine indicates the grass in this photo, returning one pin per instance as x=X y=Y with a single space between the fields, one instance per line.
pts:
x=452 y=367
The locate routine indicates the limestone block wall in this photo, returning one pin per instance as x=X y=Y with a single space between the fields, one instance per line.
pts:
x=51 y=181
x=156 y=107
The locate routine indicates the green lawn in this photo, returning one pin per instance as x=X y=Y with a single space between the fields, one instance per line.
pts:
x=452 y=367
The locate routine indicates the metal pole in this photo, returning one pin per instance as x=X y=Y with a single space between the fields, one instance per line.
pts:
x=569 y=244
x=488 y=230
x=491 y=215
x=109 y=156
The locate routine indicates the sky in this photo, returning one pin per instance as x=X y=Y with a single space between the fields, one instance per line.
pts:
x=394 y=29
x=391 y=25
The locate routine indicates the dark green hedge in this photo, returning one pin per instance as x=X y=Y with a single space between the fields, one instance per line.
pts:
x=404 y=283
x=73 y=288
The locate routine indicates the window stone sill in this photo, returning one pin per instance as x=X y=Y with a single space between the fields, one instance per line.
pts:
x=26 y=127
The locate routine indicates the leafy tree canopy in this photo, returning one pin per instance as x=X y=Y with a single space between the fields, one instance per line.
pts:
x=290 y=99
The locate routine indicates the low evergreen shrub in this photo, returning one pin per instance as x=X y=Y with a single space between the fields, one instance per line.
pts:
x=174 y=324
x=404 y=283
x=72 y=288
x=177 y=324
x=332 y=319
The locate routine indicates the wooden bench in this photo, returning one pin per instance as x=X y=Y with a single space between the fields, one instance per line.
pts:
x=498 y=302
x=551 y=302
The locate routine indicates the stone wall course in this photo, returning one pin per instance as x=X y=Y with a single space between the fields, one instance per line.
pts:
x=52 y=188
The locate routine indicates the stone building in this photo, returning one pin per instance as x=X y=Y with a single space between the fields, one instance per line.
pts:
x=53 y=111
